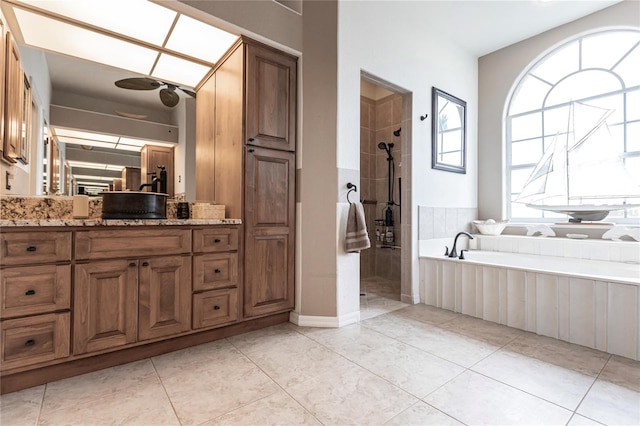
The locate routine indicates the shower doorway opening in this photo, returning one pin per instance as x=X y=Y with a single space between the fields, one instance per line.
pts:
x=385 y=129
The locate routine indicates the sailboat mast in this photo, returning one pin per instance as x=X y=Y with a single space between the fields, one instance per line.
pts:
x=570 y=122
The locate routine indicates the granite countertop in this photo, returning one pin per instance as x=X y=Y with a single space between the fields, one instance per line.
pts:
x=115 y=222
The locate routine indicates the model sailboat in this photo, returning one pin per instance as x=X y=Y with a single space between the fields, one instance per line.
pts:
x=581 y=174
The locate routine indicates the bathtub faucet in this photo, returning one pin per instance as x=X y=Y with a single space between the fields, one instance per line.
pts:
x=453 y=252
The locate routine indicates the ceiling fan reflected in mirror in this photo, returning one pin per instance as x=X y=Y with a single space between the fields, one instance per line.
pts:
x=168 y=94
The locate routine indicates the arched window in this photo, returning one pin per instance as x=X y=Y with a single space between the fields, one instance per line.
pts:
x=583 y=94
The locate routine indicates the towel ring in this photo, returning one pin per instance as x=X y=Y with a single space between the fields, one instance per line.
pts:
x=352 y=188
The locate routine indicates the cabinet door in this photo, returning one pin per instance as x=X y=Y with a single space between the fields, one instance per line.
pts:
x=153 y=156
x=269 y=227
x=271 y=98
x=105 y=305
x=164 y=296
x=3 y=44
x=13 y=115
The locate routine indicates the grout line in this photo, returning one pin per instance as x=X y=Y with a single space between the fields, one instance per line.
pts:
x=590 y=387
x=274 y=381
x=44 y=391
x=175 y=412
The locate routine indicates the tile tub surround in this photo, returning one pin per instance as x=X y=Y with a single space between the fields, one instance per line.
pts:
x=587 y=302
x=385 y=370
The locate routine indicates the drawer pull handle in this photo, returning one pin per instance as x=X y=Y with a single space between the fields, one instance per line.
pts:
x=217 y=271
x=132 y=264
x=216 y=308
x=30 y=342
x=251 y=139
x=30 y=292
x=31 y=248
x=217 y=240
x=145 y=263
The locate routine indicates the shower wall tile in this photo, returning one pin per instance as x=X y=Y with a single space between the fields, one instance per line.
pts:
x=364 y=112
x=365 y=168
x=384 y=113
x=397 y=109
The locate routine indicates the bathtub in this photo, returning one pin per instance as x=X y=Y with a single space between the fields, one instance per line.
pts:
x=593 y=303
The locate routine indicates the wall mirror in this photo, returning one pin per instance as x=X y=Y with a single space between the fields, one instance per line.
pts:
x=449 y=132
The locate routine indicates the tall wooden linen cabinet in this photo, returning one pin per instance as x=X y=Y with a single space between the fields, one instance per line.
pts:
x=245 y=159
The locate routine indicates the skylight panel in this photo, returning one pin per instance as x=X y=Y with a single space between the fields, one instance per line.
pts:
x=199 y=40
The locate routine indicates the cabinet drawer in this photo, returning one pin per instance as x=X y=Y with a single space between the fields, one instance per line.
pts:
x=34 y=290
x=215 y=240
x=23 y=248
x=32 y=340
x=111 y=244
x=215 y=307
x=218 y=270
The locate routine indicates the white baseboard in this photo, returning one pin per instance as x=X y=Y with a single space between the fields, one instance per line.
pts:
x=325 y=322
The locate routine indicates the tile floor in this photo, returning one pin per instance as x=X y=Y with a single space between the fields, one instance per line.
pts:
x=379 y=296
x=417 y=365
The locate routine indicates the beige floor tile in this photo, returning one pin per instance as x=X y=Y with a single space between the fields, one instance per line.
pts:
x=427 y=314
x=563 y=354
x=196 y=357
x=555 y=384
x=611 y=404
x=211 y=390
x=267 y=338
x=578 y=420
x=276 y=409
x=422 y=414
x=350 y=395
x=621 y=371
x=474 y=399
x=411 y=369
x=443 y=343
x=82 y=390
x=485 y=331
x=144 y=404
x=22 y=407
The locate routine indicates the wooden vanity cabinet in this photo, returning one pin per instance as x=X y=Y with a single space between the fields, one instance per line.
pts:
x=121 y=301
x=246 y=141
x=35 y=302
x=216 y=277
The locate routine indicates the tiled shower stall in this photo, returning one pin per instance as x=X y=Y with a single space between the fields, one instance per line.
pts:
x=378 y=120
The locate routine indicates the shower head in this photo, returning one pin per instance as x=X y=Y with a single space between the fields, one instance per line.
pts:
x=397 y=132
x=383 y=145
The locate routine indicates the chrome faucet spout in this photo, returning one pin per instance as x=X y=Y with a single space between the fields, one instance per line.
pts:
x=453 y=252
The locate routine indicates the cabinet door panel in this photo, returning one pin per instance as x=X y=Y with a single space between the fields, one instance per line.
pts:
x=105 y=305
x=13 y=87
x=269 y=232
x=271 y=98
x=165 y=296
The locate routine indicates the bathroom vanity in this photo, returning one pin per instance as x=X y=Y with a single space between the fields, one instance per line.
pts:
x=89 y=294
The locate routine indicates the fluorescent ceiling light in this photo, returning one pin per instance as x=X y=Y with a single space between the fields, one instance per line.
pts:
x=96 y=166
x=85 y=135
x=143 y=142
x=57 y=36
x=199 y=40
x=99 y=178
x=85 y=142
x=174 y=69
x=139 y=19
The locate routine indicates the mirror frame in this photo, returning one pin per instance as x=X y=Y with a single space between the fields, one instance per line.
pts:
x=437 y=94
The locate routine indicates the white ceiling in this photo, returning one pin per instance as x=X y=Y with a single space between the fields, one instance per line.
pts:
x=482 y=27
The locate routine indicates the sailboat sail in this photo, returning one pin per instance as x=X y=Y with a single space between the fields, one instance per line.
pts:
x=581 y=169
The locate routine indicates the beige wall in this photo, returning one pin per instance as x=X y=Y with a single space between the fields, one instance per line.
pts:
x=317 y=156
x=497 y=74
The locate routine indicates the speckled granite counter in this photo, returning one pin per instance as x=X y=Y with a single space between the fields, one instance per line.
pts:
x=116 y=222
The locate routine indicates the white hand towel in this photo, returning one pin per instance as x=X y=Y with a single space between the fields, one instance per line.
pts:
x=357 y=236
